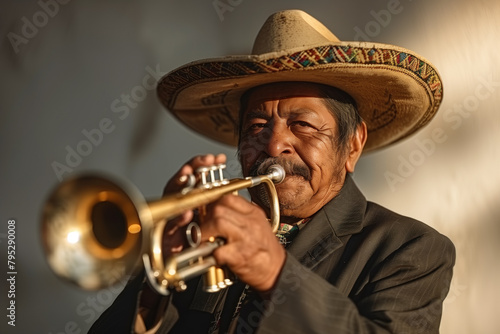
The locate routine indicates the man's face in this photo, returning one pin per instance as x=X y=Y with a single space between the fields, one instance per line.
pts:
x=290 y=122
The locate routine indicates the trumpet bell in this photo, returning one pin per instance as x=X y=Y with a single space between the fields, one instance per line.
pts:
x=93 y=232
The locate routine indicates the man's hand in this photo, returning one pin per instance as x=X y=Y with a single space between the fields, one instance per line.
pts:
x=174 y=237
x=251 y=251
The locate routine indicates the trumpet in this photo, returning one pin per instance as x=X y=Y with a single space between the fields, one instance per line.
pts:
x=96 y=233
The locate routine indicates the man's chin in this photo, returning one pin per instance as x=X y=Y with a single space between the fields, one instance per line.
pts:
x=291 y=194
x=291 y=183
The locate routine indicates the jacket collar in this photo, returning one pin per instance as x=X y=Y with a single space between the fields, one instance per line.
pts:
x=340 y=217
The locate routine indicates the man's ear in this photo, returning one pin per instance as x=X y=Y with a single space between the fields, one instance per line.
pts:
x=357 y=143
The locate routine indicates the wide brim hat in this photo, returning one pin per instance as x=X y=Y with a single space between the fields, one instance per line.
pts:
x=396 y=90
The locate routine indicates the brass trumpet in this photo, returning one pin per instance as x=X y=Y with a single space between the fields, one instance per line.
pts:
x=94 y=233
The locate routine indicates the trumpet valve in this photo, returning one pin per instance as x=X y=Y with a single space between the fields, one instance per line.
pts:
x=221 y=278
x=211 y=281
x=227 y=277
x=212 y=176
x=180 y=286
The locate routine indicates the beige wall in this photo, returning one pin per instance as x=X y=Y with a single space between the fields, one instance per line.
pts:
x=67 y=69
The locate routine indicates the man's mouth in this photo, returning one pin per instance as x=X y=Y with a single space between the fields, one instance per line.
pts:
x=291 y=168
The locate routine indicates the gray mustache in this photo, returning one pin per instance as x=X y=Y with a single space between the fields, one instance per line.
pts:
x=291 y=168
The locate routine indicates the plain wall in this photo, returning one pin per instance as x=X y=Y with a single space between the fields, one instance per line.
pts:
x=83 y=58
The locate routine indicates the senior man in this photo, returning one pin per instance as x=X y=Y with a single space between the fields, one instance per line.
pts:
x=340 y=264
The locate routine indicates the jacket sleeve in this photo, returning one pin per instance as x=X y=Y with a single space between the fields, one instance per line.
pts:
x=403 y=293
x=120 y=317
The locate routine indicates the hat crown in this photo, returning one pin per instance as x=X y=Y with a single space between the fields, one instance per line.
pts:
x=290 y=29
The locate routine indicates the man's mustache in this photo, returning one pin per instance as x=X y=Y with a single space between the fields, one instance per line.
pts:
x=291 y=168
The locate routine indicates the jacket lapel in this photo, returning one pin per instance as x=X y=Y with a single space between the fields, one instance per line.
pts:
x=330 y=227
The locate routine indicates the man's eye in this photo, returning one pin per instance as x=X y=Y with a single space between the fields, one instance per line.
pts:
x=303 y=127
x=302 y=124
x=255 y=127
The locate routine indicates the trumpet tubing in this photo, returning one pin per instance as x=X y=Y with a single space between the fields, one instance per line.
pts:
x=95 y=233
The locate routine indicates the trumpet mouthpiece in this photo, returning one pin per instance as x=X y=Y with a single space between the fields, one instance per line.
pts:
x=276 y=173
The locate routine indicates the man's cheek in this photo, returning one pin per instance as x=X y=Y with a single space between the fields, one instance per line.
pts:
x=248 y=153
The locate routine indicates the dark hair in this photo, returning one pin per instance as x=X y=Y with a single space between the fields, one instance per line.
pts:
x=342 y=106
x=345 y=111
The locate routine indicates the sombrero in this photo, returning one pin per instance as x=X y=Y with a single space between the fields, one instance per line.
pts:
x=397 y=91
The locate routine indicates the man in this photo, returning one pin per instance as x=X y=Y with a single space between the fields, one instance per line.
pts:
x=312 y=104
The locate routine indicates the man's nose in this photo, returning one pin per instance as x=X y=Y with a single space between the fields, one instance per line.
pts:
x=280 y=141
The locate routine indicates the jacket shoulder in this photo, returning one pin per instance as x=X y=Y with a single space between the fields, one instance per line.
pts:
x=394 y=230
x=381 y=217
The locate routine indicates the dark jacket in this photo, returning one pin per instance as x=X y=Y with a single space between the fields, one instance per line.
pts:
x=355 y=267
